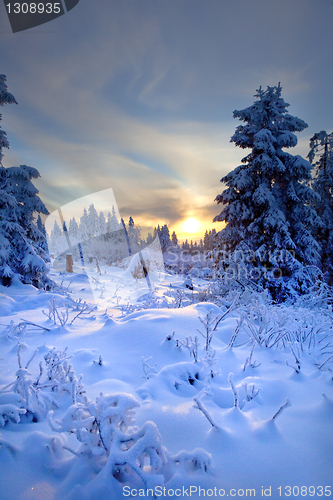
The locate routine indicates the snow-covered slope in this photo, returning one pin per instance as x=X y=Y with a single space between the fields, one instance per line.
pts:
x=215 y=416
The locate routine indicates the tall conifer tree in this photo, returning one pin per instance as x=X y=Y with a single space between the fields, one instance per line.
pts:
x=20 y=250
x=321 y=157
x=268 y=202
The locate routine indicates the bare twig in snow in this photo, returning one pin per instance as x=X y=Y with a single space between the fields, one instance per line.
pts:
x=280 y=410
x=205 y=412
x=233 y=388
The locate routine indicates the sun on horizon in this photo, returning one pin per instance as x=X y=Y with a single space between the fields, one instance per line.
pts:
x=191 y=226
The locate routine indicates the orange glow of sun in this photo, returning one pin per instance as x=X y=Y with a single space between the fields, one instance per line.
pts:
x=191 y=226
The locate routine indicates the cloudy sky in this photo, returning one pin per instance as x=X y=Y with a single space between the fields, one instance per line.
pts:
x=138 y=96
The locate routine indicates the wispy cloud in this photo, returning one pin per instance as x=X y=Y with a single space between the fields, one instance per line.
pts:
x=139 y=96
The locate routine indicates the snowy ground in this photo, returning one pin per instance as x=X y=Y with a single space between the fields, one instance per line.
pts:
x=215 y=432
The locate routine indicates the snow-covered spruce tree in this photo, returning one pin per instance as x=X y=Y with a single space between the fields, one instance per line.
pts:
x=101 y=226
x=27 y=259
x=149 y=239
x=134 y=235
x=73 y=229
x=5 y=98
x=112 y=224
x=20 y=250
x=84 y=226
x=55 y=238
x=186 y=246
x=268 y=201
x=321 y=158
x=92 y=222
x=210 y=240
x=42 y=242
x=174 y=239
x=8 y=224
x=164 y=238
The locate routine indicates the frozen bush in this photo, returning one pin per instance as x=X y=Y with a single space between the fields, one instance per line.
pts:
x=105 y=430
x=31 y=398
x=61 y=376
x=10 y=412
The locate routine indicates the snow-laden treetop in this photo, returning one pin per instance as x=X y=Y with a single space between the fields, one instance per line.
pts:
x=268 y=116
x=5 y=98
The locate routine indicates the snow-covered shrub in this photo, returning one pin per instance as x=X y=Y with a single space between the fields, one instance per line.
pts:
x=209 y=361
x=188 y=462
x=191 y=344
x=179 y=298
x=248 y=361
x=61 y=376
x=55 y=314
x=34 y=402
x=250 y=391
x=266 y=325
x=182 y=378
x=320 y=295
x=105 y=428
x=148 y=370
x=16 y=331
x=106 y=431
x=209 y=323
x=59 y=310
x=11 y=408
x=34 y=397
x=294 y=328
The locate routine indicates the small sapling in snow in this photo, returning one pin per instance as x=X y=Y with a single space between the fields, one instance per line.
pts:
x=233 y=388
x=192 y=345
x=170 y=335
x=201 y=407
x=209 y=361
x=149 y=371
x=324 y=362
x=210 y=323
x=280 y=410
x=250 y=391
x=235 y=332
x=294 y=348
x=248 y=361
x=99 y=362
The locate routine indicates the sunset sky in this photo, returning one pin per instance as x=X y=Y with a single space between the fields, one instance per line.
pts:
x=138 y=96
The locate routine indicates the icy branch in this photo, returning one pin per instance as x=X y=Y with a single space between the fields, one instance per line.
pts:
x=233 y=388
x=280 y=410
x=205 y=412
